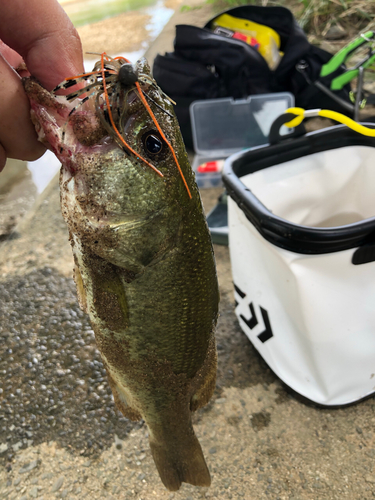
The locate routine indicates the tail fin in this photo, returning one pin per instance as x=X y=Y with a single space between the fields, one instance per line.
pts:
x=180 y=460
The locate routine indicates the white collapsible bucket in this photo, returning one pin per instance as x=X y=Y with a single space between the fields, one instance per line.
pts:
x=302 y=245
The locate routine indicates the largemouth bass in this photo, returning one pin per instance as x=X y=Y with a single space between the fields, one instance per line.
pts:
x=144 y=264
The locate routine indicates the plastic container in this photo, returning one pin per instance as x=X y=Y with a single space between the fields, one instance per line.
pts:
x=222 y=127
x=302 y=245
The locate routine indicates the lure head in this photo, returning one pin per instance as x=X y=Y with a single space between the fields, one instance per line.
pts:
x=127 y=74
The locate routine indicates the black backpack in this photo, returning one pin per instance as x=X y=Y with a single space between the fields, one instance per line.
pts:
x=206 y=65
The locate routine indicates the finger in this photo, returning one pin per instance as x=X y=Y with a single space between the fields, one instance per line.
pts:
x=3 y=158
x=41 y=32
x=17 y=134
x=10 y=55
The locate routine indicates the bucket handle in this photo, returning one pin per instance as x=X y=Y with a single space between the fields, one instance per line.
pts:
x=275 y=137
x=364 y=254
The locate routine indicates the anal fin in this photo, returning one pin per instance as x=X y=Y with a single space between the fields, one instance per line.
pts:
x=121 y=402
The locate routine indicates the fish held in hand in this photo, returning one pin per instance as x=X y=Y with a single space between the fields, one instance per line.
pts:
x=144 y=265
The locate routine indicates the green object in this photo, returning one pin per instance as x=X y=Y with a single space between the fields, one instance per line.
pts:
x=341 y=57
x=93 y=11
x=335 y=62
x=340 y=81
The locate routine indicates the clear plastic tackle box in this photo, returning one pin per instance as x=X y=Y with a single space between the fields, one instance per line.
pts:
x=221 y=127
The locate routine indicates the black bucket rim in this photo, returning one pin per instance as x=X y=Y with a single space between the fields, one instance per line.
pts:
x=281 y=232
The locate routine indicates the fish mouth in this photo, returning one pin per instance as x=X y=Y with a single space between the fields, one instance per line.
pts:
x=61 y=128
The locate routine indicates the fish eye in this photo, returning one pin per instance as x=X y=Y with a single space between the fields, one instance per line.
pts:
x=152 y=143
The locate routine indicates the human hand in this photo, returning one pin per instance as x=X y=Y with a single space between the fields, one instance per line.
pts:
x=39 y=33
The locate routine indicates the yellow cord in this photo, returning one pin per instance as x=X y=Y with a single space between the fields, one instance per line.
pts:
x=332 y=115
x=300 y=112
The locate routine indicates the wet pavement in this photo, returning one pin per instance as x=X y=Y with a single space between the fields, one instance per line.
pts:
x=53 y=382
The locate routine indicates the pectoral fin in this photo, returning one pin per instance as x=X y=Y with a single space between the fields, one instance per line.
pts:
x=109 y=298
x=107 y=289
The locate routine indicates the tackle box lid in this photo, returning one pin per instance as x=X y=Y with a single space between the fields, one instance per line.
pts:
x=225 y=126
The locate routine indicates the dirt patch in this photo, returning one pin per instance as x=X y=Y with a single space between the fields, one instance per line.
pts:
x=126 y=32
x=260 y=420
x=123 y=33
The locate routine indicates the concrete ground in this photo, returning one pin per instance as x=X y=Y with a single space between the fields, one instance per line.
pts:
x=61 y=436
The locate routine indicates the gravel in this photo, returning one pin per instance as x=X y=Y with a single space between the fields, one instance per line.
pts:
x=28 y=467
x=52 y=373
x=57 y=484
